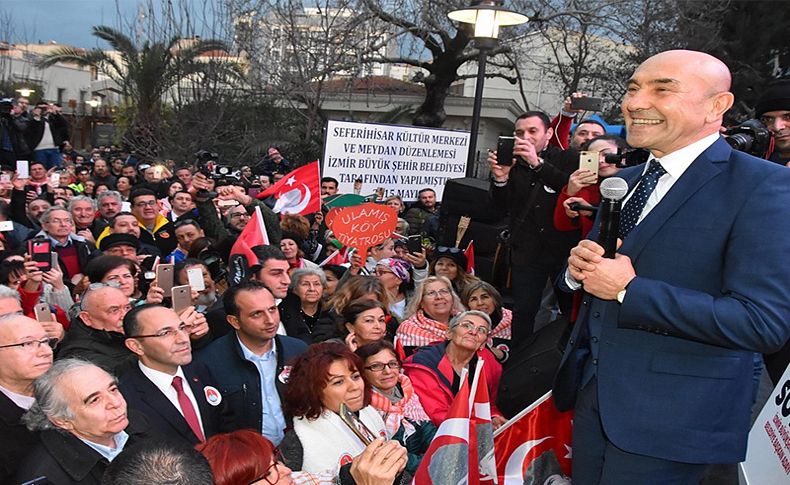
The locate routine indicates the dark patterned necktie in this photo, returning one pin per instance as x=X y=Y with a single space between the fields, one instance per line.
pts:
x=633 y=208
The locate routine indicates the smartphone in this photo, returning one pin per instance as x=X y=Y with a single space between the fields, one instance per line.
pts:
x=6 y=226
x=126 y=207
x=504 y=150
x=356 y=425
x=5 y=178
x=39 y=249
x=22 y=169
x=164 y=277
x=414 y=244
x=43 y=313
x=182 y=297
x=227 y=203
x=54 y=180
x=589 y=161
x=587 y=103
x=195 y=277
x=54 y=257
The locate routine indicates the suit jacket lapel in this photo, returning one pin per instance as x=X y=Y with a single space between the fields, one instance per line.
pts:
x=151 y=395
x=699 y=173
x=204 y=408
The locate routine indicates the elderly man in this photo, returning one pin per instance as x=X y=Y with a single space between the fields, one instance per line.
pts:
x=83 y=211
x=110 y=204
x=25 y=354
x=74 y=253
x=179 y=397
x=84 y=424
x=660 y=364
x=97 y=334
x=253 y=357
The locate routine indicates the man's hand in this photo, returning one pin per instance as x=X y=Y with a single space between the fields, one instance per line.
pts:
x=609 y=277
x=379 y=464
x=55 y=278
x=33 y=275
x=199 y=181
x=584 y=258
x=526 y=150
x=54 y=330
x=234 y=192
x=356 y=263
x=88 y=235
x=499 y=172
x=190 y=316
x=566 y=204
x=155 y=294
x=579 y=179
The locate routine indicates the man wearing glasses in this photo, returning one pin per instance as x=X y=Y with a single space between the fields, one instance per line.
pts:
x=25 y=354
x=158 y=229
x=178 y=396
x=97 y=334
x=74 y=252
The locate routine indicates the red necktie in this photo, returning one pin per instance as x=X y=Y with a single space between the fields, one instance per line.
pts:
x=188 y=409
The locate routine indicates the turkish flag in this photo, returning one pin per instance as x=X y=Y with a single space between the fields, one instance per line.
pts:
x=299 y=192
x=447 y=459
x=470 y=258
x=535 y=445
x=254 y=234
x=481 y=431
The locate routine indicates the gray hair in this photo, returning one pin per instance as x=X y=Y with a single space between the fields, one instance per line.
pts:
x=405 y=224
x=416 y=301
x=475 y=313
x=6 y=292
x=45 y=216
x=158 y=462
x=297 y=275
x=111 y=193
x=50 y=403
x=81 y=198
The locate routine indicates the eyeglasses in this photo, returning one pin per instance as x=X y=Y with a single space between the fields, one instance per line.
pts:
x=150 y=203
x=272 y=469
x=436 y=293
x=239 y=215
x=64 y=222
x=378 y=366
x=472 y=329
x=33 y=344
x=169 y=332
x=446 y=249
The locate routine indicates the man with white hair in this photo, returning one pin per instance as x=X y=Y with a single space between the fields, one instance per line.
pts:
x=83 y=424
x=25 y=354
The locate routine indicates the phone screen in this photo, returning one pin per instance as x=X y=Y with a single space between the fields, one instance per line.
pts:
x=22 y=169
x=39 y=250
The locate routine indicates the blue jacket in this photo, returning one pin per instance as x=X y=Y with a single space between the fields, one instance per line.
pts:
x=675 y=362
x=238 y=379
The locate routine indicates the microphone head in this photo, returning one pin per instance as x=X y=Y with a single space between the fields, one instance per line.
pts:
x=614 y=188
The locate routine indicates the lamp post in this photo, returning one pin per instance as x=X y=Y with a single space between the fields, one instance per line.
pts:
x=487 y=16
x=25 y=92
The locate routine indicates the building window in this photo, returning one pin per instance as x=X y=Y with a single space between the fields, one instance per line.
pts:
x=61 y=95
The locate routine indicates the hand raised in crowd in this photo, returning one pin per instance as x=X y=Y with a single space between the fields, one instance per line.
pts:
x=356 y=263
x=88 y=235
x=499 y=172
x=155 y=294
x=498 y=421
x=53 y=329
x=33 y=275
x=234 y=192
x=190 y=316
x=380 y=463
x=566 y=105
x=199 y=181
x=572 y=213
x=55 y=278
x=18 y=183
x=81 y=283
x=579 y=179
x=417 y=259
x=526 y=150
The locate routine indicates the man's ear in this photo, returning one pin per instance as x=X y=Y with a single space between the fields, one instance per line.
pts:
x=233 y=320
x=549 y=135
x=720 y=103
x=86 y=318
x=134 y=346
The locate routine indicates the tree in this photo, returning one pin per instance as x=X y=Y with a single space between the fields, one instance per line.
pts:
x=145 y=75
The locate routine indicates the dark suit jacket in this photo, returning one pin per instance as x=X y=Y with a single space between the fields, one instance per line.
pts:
x=141 y=394
x=674 y=363
x=15 y=439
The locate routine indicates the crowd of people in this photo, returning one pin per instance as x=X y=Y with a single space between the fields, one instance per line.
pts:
x=316 y=369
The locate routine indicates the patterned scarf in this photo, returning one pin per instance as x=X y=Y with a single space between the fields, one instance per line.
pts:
x=504 y=329
x=393 y=413
x=419 y=330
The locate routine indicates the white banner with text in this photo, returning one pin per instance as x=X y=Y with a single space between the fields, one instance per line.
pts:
x=400 y=159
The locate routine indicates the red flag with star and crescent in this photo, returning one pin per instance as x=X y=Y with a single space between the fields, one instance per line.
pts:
x=536 y=443
x=299 y=192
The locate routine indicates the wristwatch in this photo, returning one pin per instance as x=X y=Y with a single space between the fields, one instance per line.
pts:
x=621 y=294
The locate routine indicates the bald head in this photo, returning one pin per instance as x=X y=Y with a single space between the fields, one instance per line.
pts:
x=674 y=99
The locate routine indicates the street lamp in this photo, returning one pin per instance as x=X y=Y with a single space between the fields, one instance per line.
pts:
x=487 y=16
x=25 y=92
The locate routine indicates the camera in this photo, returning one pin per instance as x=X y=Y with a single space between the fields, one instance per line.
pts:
x=628 y=157
x=205 y=161
x=6 y=105
x=751 y=137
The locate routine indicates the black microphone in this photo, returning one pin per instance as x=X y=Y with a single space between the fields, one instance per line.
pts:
x=613 y=190
x=578 y=206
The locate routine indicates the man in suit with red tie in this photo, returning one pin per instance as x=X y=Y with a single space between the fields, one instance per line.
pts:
x=178 y=397
x=660 y=364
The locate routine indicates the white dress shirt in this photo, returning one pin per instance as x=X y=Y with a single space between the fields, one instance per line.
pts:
x=676 y=164
x=164 y=382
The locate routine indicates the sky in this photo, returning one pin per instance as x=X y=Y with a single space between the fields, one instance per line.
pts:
x=67 y=21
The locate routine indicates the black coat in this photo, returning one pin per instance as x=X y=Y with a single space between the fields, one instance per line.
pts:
x=105 y=349
x=35 y=130
x=238 y=379
x=529 y=197
x=65 y=460
x=141 y=394
x=15 y=439
x=293 y=319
